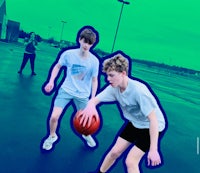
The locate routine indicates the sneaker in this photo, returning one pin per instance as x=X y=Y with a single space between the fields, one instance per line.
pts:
x=90 y=141
x=48 y=143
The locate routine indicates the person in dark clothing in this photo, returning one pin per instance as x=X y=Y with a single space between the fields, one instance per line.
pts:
x=31 y=46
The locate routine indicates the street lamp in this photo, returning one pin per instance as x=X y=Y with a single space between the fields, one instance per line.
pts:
x=63 y=23
x=123 y=2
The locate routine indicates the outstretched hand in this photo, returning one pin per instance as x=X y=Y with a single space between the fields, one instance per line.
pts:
x=88 y=113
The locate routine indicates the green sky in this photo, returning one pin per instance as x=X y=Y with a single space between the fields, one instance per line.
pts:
x=166 y=31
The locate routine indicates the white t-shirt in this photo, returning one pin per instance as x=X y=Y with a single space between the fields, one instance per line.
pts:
x=136 y=103
x=78 y=81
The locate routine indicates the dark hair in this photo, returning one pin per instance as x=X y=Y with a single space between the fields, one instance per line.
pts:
x=31 y=33
x=89 y=35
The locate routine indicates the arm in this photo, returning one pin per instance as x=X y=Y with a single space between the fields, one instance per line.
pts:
x=94 y=86
x=36 y=46
x=33 y=41
x=153 y=155
x=26 y=41
x=50 y=85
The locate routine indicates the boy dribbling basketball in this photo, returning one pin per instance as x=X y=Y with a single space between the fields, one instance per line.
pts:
x=139 y=106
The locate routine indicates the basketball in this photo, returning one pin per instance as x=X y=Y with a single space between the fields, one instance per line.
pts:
x=95 y=124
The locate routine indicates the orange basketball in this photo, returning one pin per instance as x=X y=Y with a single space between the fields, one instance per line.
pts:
x=85 y=130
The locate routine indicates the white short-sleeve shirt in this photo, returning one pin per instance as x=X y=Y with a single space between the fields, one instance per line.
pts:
x=136 y=103
x=80 y=72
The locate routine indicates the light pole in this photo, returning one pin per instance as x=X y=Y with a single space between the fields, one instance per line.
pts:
x=123 y=2
x=63 y=23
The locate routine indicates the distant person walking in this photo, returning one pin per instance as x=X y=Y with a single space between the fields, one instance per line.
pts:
x=29 y=54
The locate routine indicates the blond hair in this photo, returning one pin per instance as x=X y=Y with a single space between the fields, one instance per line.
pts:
x=116 y=63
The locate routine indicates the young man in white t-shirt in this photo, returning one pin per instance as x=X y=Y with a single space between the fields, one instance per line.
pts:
x=80 y=83
x=139 y=106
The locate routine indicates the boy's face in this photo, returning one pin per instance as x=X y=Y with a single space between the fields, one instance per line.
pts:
x=84 y=46
x=115 y=79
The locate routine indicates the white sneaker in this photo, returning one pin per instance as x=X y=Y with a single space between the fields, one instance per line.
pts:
x=48 y=143
x=90 y=141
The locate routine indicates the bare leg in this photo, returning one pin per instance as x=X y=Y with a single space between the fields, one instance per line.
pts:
x=120 y=146
x=53 y=122
x=133 y=159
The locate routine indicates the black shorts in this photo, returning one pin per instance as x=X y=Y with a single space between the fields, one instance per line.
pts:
x=140 y=137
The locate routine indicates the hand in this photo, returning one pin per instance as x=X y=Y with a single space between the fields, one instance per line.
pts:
x=31 y=40
x=88 y=113
x=49 y=86
x=153 y=158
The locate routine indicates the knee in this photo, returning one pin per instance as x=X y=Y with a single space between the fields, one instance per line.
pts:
x=131 y=163
x=54 y=118
x=115 y=153
x=55 y=115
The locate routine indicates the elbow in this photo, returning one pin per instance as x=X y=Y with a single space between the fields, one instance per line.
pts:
x=57 y=66
x=94 y=79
